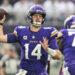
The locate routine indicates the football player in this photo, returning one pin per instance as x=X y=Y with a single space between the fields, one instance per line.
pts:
x=36 y=42
x=67 y=44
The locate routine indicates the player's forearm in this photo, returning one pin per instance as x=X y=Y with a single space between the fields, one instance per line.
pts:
x=54 y=53
x=58 y=55
x=3 y=38
x=1 y=30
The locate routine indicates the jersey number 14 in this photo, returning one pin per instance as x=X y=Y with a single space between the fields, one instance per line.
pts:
x=35 y=52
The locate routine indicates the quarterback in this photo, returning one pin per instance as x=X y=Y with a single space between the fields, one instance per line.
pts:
x=36 y=42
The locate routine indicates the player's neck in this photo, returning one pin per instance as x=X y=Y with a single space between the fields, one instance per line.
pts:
x=34 y=29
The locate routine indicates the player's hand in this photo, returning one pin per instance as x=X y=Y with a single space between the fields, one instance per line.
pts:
x=44 y=44
x=3 y=19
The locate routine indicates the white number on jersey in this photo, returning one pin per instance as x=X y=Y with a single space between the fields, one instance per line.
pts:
x=73 y=42
x=36 y=51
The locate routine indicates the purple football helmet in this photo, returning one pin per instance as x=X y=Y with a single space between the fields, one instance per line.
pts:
x=70 y=22
x=36 y=9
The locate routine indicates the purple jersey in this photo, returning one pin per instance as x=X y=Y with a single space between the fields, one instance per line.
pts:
x=33 y=56
x=68 y=37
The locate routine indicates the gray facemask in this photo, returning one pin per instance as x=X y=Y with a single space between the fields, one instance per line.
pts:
x=36 y=24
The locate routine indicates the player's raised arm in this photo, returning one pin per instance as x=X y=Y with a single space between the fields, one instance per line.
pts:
x=11 y=37
x=3 y=14
x=3 y=38
x=54 y=53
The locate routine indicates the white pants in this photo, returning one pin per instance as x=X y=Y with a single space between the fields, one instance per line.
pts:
x=22 y=72
x=65 y=71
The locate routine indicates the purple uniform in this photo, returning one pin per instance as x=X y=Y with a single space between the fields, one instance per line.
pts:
x=68 y=37
x=33 y=57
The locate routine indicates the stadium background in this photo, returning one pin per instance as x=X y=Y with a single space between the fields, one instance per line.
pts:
x=57 y=11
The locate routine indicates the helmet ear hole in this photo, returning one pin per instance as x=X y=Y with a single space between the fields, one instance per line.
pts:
x=66 y=26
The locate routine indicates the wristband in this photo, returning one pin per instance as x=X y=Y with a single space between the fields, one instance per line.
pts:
x=51 y=52
x=1 y=24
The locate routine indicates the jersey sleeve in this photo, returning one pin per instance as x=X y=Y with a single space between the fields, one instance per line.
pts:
x=54 y=32
x=13 y=37
x=61 y=33
x=53 y=43
x=52 y=38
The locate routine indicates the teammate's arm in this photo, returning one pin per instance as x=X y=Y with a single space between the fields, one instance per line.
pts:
x=60 y=43
x=60 y=40
x=54 y=53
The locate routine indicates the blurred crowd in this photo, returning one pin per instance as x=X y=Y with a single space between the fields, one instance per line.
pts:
x=9 y=59
x=57 y=10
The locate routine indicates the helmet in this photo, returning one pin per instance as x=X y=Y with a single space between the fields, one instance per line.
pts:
x=36 y=9
x=70 y=22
